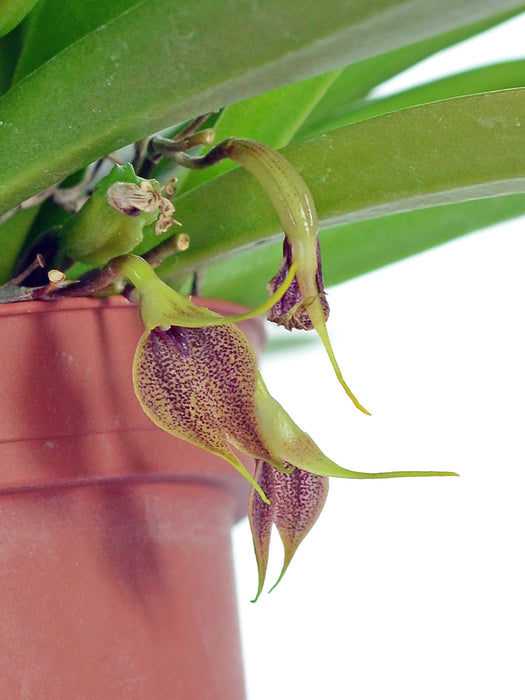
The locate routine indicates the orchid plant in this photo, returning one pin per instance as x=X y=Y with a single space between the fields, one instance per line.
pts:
x=288 y=141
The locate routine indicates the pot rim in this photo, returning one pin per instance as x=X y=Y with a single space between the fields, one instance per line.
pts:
x=72 y=303
x=221 y=306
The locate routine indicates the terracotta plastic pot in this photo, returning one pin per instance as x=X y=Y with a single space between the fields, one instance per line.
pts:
x=116 y=576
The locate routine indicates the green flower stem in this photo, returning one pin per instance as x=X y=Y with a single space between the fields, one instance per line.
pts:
x=285 y=187
x=176 y=244
x=165 y=305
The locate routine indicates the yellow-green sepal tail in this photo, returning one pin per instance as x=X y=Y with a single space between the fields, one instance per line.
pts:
x=222 y=320
x=161 y=305
x=284 y=438
x=322 y=332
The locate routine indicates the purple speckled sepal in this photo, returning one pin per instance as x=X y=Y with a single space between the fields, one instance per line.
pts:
x=296 y=501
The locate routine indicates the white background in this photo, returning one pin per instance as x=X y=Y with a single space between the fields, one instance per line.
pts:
x=409 y=588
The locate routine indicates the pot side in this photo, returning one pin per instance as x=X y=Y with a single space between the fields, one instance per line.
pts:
x=116 y=575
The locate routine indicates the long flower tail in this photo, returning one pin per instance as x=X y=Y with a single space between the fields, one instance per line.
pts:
x=294 y=446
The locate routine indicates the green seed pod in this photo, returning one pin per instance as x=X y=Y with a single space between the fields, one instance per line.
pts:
x=111 y=222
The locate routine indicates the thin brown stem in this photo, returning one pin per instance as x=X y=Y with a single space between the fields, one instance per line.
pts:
x=147 y=155
x=170 y=150
x=38 y=262
x=89 y=284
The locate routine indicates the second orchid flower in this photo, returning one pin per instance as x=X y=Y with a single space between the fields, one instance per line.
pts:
x=196 y=377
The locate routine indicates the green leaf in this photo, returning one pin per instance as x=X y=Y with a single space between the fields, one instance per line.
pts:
x=12 y=12
x=56 y=24
x=305 y=109
x=10 y=47
x=157 y=64
x=348 y=94
x=441 y=153
x=486 y=79
x=13 y=233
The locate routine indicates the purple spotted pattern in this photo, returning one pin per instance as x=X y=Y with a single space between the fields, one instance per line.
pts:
x=296 y=501
x=199 y=384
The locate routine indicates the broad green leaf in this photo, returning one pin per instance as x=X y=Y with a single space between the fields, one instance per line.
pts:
x=13 y=232
x=354 y=249
x=305 y=109
x=12 y=12
x=157 y=64
x=440 y=153
x=499 y=76
x=56 y=24
x=10 y=47
x=349 y=91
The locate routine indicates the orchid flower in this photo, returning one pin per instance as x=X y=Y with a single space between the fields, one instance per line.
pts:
x=196 y=377
x=303 y=305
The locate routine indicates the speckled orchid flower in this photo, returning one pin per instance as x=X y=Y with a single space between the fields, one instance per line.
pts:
x=196 y=377
x=304 y=305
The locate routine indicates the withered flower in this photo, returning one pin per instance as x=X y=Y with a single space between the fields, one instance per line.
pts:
x=111 y=222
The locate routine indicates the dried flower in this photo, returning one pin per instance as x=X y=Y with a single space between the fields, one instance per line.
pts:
x=111 y=222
